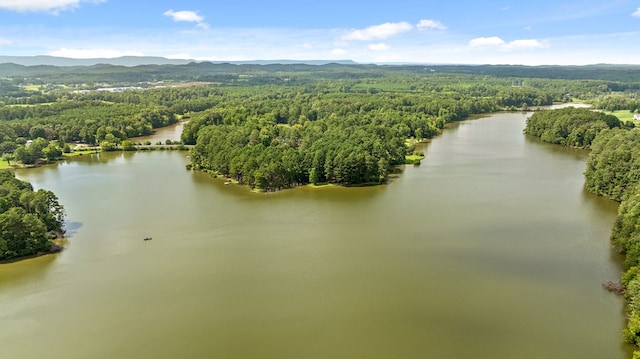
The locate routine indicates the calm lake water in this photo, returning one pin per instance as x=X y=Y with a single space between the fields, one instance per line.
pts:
x=489 y=249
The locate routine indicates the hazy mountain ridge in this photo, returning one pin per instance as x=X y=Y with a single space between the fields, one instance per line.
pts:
x=131 y=61
x=147 y=69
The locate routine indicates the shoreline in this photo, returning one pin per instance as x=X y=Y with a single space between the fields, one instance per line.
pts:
x=55 y=249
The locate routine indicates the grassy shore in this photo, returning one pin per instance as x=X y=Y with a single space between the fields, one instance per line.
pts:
x=79 y=153
x=413 y=159
x=320 y=185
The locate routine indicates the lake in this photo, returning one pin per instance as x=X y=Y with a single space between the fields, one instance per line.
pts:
x=490 y=249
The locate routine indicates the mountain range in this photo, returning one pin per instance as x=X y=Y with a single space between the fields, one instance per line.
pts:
x=131 y=61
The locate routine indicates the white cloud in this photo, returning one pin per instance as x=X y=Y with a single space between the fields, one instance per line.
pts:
x=379 y=32
x=378 y=47
x=636 y=13
x=187 y=16
x=430 y=25
x=93 y=53
x=339 y=51
x=526 y=44
x=495 y=41
x=486 y=41
x=4 y=41
x=53 y=6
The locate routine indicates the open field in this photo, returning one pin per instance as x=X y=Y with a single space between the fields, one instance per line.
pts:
x=624 y=115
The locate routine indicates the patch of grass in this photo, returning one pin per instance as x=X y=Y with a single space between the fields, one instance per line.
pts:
x=4 y=165
x=320 y=185
x=413 y=159
x=32 y=87
x=383 y=87
x=80 y=153
x=31 y=105
x=411 y=142
x=624 y=115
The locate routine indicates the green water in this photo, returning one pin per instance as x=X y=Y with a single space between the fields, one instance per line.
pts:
x=489 y=249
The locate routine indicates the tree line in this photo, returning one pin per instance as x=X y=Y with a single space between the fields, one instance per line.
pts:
x=613 y=171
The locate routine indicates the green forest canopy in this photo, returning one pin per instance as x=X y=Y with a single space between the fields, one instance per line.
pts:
x=574 y=127
x=29 y=219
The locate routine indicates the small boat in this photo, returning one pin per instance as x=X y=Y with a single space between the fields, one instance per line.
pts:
x=147 y=238
x=228 y=182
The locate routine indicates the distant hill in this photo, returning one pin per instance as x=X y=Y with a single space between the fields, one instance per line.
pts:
x=287 y=62
x=64 y=61
x=131 y=61
x=278 y=71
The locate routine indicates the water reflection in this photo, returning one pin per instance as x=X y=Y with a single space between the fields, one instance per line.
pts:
x=71 y=228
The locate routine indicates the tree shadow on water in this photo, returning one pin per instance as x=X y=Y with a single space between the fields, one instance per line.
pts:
x=71 y=228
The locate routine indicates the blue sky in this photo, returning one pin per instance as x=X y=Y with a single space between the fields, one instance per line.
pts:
x=470 y=32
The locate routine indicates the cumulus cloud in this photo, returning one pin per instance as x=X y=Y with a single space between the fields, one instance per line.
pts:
x=636 y=13
x=494 y=41
x=339 y=51
x=379 y=32
x=4 y=41
x=486 y=41
x=93 y=53
x=53 y=6
x=187 y=16
x=430 y=25
x=378 y=47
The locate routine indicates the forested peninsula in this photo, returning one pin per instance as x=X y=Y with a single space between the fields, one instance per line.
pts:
x=348 y=134
x=30 y=221
x=613 y=171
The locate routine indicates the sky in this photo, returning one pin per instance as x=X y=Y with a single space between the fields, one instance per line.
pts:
x=557 y=32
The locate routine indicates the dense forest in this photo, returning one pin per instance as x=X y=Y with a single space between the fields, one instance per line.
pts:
x=575 y=127
x=29 y=220
x=277 y=138
x=613 y=168
x=613 y=171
